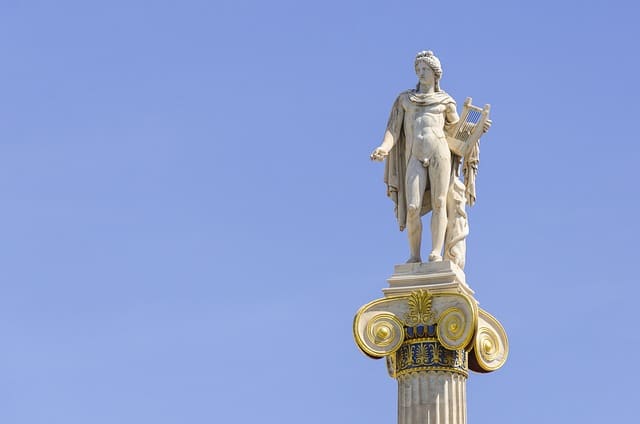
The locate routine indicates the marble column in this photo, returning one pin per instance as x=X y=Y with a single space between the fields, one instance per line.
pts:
x=432 y=397
x=431 y=331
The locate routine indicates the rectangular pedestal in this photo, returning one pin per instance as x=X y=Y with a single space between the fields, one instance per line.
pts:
x=444 y=276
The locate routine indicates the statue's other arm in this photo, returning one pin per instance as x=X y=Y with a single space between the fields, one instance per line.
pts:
x=451 y=118
x=392 y=132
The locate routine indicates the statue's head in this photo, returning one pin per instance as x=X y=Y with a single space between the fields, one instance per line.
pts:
x=427 y=57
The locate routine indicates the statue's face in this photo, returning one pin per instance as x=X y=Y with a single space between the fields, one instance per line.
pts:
x=425 y=73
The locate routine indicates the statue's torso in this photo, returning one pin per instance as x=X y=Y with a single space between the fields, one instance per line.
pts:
x=424 y=130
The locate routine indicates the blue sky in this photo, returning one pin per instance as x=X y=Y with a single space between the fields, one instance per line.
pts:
x=190 y=219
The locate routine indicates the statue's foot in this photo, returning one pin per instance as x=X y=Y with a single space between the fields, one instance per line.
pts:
x=435 y=258
x=414 y=260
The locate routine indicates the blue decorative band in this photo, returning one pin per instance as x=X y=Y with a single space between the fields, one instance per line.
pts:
x=420 y=331
x=429 y=355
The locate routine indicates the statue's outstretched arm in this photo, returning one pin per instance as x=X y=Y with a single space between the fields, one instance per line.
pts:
x=392 y=132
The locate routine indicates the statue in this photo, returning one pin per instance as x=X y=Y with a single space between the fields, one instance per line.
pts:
x=423 y=157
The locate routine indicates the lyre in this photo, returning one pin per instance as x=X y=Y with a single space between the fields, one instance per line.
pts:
x=469 y=128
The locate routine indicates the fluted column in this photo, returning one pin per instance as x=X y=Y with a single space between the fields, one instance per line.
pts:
x=431 y=380
x=432 y=397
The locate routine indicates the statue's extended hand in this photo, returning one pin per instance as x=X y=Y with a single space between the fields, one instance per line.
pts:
x=487 y=125
x=379 y=154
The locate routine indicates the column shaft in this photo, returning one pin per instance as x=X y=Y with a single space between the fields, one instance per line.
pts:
x=432 y=397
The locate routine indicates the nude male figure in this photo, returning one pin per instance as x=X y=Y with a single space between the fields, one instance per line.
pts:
x=423 y=114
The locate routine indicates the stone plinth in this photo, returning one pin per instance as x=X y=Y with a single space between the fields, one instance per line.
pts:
x=430 y=330
x=438 y=277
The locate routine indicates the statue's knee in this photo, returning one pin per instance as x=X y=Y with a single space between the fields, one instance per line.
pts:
x=413 y=211
x=439 y=203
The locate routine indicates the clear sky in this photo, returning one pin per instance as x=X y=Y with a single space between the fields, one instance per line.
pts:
x=190 y=220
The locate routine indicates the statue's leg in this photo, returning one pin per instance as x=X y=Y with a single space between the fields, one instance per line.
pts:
x=415 y=186
x=439 y=174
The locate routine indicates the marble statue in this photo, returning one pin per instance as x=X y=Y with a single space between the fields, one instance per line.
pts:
x=423 y=161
